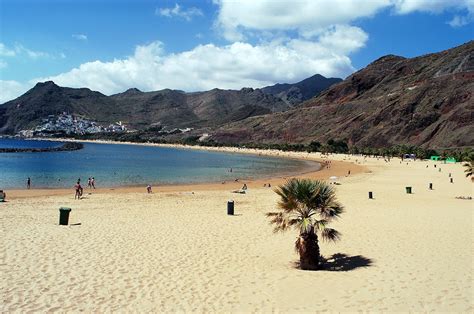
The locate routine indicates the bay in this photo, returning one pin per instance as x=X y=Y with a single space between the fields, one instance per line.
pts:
x=114 y=165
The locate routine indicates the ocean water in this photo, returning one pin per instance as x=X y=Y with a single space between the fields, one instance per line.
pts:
x=115 y=165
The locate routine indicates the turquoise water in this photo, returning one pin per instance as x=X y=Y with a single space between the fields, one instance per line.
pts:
x=129 y=165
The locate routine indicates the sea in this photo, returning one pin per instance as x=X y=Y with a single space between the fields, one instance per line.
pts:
x=115 y=165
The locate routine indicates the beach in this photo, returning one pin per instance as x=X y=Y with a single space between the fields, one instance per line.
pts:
x=177 y=249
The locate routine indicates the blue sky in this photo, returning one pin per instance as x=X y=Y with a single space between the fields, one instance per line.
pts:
x=110 y=46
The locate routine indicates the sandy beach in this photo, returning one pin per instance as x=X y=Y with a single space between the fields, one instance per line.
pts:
x=177 y=250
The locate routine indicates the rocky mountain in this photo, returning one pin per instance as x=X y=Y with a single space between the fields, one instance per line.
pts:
x=294 y=94
x=426 y=101
x=49 y=99
x=140 y=110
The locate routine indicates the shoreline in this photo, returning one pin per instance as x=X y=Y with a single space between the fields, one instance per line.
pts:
x=338 y=168
x=178 y=250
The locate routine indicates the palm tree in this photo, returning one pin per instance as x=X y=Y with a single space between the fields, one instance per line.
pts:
x=469 y=165
x=308 y=206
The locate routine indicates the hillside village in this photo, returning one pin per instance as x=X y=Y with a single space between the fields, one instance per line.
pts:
x=68 y=124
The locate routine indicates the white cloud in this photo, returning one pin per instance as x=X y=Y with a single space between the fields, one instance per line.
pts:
x=6 y=52
x=3 y=64
x=208 y=66
x=310 y=17
x=438 y=6
x=21 y=50
x=178 y=11
x=81 y=37
x=459 y=21
x=307 y=17
x=12 y=89
x=323 y=43
x=433 y=6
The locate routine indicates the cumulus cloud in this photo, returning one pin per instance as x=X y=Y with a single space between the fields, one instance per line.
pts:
x=232 y=66
x=178 y=11
x=296 y=39
x=465 y=8
x=81 y=37
x=12 y=89
x=307 y=17
x=311 y=17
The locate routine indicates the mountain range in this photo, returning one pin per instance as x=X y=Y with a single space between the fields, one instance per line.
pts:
x=425 y=101
x=166 y=108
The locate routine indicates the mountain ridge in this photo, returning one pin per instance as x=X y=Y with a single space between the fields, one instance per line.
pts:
x=140 y=110
x=424 y=101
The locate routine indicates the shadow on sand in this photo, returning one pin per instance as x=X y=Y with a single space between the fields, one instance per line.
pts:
x=343 y=262
x=340 y=262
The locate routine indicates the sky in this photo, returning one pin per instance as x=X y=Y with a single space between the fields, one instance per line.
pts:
x=113 y=45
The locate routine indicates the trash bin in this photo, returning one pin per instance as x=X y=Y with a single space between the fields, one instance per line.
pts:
x=230 y=207
x=371 y=195
x=408 y=189
x=64 y=216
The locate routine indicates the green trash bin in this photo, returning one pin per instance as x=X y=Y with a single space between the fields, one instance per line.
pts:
x=408 y=189
x=64 y=216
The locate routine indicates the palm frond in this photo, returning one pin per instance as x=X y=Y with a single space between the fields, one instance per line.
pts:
x=280 y=220
x=469 y=168
x=307 y=205
x=329 y=234
x=331 y=211
x=320 y=225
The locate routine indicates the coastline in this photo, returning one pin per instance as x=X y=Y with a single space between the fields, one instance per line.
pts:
x=177 y=250
x=338 y=168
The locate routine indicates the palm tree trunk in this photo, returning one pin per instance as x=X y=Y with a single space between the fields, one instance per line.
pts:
x=309 y=251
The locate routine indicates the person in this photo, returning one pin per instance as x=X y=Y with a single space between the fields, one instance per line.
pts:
x=78 y=189
x=89 y=183
x=93 y=182
x=148 y=189
x=244 y=187
x=28 y=183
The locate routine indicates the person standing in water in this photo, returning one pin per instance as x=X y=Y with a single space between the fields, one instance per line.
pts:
x=28 y=183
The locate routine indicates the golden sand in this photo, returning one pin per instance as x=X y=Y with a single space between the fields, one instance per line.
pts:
x=177 y=250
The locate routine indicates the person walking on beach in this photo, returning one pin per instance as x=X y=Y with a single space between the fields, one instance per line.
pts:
x=78 y=189
x=28 y=183
x=148 y=189
x=89 y=183
x=93 y=183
